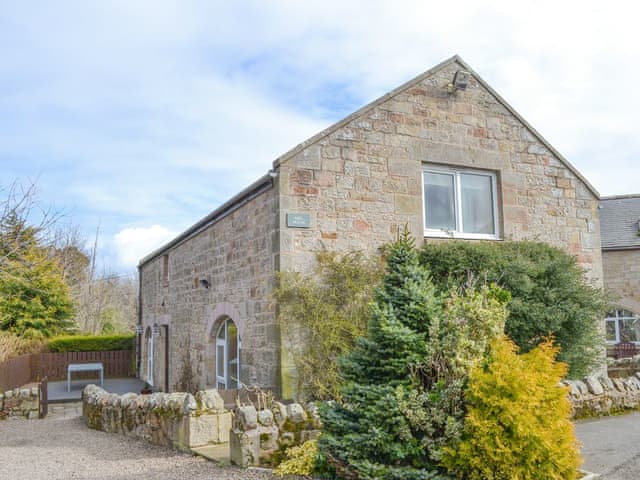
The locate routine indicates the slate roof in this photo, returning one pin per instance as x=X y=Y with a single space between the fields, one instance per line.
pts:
x=619 y=222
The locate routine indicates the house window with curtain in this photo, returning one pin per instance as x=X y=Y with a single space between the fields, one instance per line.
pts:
x=460 y=203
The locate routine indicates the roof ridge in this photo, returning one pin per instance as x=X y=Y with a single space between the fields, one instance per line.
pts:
x=620 y=197
x=455 y=58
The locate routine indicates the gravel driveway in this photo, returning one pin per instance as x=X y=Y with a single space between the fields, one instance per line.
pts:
x=62 y=447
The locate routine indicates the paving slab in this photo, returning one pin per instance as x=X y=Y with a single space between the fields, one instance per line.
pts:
x=57 y=391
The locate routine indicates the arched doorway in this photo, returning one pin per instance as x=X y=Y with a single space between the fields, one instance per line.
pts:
x=228 y=345
x=149 y=370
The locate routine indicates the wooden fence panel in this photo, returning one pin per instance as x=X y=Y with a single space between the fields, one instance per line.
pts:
x=15 y=372
x=53 y=365
x=116 y=364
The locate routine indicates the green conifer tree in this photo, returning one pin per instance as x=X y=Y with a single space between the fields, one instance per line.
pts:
x=366 y=435
x=34 y=299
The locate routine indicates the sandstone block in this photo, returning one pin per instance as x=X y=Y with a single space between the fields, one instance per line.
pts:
x=296 y=413
x=407 y=204
x=244 y=447
x=201 y=430
x=265 y=417
x=268 y=437
x=594 y=385
x=247 y=417
x=581 y=386
x=403 y=167
x=280 y=413
x=189 y=405
x=210 y=400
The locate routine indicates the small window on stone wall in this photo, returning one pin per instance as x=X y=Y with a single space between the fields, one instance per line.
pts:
x=165 y=269
x=622 y=326
x=460 y=203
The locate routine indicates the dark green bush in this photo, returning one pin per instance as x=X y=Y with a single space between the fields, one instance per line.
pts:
x=92 y=343
x=549 y=293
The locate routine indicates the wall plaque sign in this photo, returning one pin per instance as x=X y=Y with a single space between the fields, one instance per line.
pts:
x=298 y=220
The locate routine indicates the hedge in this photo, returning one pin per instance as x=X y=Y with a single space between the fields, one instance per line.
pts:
x=92 y=343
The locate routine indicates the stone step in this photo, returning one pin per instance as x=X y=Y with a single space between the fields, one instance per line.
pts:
x=216 y=453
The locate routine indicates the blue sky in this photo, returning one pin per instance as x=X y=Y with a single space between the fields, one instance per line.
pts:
x=143 y=116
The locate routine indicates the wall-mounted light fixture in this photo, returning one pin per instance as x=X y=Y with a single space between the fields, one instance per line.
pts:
x=204 y=282
x=156 y=330
x=460 y=81
x=139 y=329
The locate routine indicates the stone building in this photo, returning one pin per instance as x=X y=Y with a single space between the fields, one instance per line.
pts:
x=620 y=224
x=443 y=153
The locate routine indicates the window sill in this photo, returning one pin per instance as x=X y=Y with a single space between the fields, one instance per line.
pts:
x=460 y=236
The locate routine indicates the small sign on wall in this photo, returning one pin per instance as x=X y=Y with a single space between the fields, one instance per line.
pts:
x=298 y=220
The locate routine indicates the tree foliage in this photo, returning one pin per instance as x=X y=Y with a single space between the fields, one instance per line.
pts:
x=34 y=299
x=366 y=434
x=517 y=425
x=92 y=343
x=549 y=293
x=458 y=341
x=104 y=302
x=329 y=310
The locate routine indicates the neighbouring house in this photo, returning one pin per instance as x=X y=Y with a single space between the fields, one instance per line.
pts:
x=443 y=154
x=620 y=224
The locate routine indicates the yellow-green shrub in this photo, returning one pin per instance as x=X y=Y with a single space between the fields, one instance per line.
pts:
x=301 y=460
x=517 y=426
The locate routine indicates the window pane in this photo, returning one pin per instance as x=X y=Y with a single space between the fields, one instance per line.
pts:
x=439 y=201
x=629 y=330
x=611 y=331
x=477 y=204
x=220 y=361
x=232 y=355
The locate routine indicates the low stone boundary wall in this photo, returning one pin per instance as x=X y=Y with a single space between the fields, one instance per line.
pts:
x=178 y=420
x=260 y=437
x=599 y=396
x=20 y=402
x=623 y=367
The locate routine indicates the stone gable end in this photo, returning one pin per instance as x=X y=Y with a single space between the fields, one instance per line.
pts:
x=362 y=181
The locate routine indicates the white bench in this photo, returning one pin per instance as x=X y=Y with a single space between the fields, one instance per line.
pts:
x=84 y=367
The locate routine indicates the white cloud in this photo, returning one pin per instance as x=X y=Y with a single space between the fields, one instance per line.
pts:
x=132 y=244
x=136 y=113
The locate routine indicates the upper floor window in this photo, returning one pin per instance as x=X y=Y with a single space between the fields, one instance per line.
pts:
x=622 y=326
x=460 y=203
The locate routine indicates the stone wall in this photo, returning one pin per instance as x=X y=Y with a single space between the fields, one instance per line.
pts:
x=20 y=402
x=260 y=437
x=623 y=367
x=600 y=396
x=622 y=277
x=362 y=181
x=237 y=256
x=178 y=420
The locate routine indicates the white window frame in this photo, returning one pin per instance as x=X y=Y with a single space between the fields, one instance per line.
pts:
x=223 y=381
x=458 y=233
x=616 y=323
x=150 y=342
